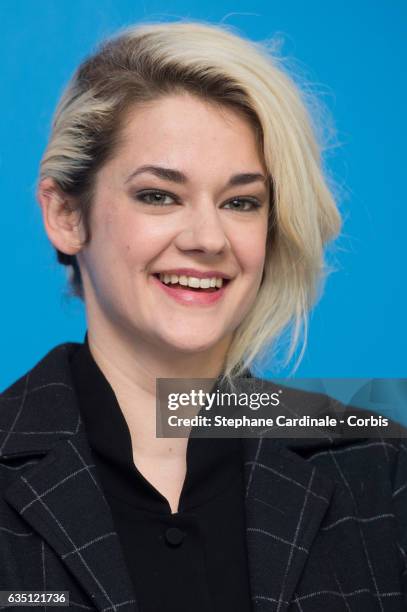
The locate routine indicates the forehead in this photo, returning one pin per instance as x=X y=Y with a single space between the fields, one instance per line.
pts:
x=189 y=133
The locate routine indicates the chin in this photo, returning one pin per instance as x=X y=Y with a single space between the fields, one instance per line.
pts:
x=192 y=348
x=192 y=345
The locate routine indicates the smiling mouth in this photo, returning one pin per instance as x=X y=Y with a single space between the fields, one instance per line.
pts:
x=186 y=287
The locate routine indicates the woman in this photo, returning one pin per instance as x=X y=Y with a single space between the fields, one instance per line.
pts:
x=182 y=185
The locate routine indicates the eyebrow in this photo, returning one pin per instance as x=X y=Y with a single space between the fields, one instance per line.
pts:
x=176 y=176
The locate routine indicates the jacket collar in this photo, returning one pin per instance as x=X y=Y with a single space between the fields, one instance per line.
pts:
x=286 y=497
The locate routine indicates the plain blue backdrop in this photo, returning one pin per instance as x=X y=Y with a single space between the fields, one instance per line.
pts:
x=352 y=52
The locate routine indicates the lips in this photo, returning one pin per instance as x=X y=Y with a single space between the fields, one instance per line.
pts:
x=196 y=273
x=206 y=284
x=190 y=295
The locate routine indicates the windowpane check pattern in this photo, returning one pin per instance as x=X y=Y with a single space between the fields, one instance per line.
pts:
x=326 y=521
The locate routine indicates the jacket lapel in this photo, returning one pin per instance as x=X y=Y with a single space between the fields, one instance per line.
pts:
x=61 y=498
x=286 y=499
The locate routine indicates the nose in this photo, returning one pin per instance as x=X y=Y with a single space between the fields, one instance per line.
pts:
x=202 y=230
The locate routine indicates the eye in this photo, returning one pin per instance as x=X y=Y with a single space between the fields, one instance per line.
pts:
x=243 y=204
x=156 y=198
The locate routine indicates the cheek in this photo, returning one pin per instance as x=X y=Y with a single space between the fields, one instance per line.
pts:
x=142 y=245
x=250 y=249
x=128 y=239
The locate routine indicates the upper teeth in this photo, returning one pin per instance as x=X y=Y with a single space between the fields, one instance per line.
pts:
x=191 y=281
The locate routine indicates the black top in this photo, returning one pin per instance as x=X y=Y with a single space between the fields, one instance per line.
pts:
x=192 y=560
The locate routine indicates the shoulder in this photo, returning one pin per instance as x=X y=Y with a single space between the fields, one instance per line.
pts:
x=369 y=474
x=40 y=401
x=54 y=364
x=370 y=451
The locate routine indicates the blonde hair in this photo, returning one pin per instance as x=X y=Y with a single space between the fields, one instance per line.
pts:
x=149 y=61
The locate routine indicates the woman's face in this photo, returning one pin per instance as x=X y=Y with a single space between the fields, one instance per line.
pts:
x=186 y=195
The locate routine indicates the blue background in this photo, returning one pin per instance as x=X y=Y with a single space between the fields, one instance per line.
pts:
x=353 y=53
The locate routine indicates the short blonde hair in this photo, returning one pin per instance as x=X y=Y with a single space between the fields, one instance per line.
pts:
x=149 y=61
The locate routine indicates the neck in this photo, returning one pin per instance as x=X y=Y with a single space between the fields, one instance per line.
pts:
x=131 y=366
x=135 y=363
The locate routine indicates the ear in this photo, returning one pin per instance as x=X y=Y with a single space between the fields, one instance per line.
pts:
x=62 y=219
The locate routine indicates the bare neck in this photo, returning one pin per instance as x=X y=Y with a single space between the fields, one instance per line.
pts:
x=132 y=367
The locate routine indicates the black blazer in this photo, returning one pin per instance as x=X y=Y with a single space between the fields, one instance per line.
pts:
x=326 y=523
